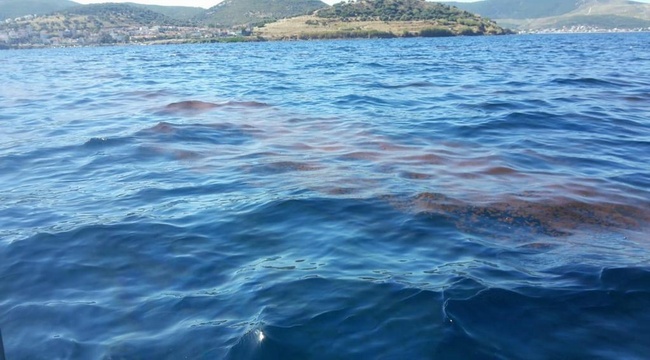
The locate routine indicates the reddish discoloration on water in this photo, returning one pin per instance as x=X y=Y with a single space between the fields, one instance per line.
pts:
x=471 y=185
x=163 y=127
x=197 y=106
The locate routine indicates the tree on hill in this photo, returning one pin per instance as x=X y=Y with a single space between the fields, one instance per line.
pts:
x=121 y=14
x=519 y=9
x=395 y=10
x=244 y=12
x=383 y=18
x=554 y=14
x=10 y=9
x=185 y=13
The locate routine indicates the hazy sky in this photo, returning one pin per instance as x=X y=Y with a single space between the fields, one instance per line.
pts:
x=210 y=3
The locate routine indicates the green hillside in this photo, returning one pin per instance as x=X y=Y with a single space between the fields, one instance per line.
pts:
x=10 y=9
x=395 y=10
x=381 y=18
x=519 y=9
x=557 y=14
x=122 y=15
x=186 y=13
x=602 y=21
x=103 y=24
x=93 y=18
x=242 y=12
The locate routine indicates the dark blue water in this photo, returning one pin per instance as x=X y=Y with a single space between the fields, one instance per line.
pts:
x=465 y=198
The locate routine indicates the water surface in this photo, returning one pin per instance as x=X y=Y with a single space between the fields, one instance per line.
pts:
x=454 y=198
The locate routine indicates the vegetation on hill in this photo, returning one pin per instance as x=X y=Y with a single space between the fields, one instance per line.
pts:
x=382 y=18
x=85 y=24
x=602 y=21
x=185 y=13
x=122 y=14
x=395 y=10
x=113 y=14
x=10 y=9
x=556 y=14
x=519 y=9
x=243 y=12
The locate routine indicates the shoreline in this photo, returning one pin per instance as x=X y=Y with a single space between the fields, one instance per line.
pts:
x=299 y=37
x=239 y=39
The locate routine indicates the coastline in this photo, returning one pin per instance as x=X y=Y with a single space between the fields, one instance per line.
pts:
x=303 y=36
x=255 y=37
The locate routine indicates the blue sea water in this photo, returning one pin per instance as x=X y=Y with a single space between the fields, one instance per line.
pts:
x=460 y=198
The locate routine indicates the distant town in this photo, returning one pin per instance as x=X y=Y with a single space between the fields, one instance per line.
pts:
x=580 y=29
x=19 y=33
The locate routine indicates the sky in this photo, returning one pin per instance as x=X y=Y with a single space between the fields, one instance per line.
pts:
x=198 y=3
x=210 y=3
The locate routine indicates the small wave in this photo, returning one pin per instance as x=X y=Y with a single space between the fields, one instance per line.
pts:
x=638 y=97
x=415 y=84
x=147 y=94
x=256 y=344
x=359 y=320
x=149 y=195
x=431 y=159
x=360 y=100
x=101 y=142
x=416 y=175
x=523 y=120
x=287 y=166
x=500 y=170
x=83 y=101
x=498 y=105
x=189 y=106
x=637 y=179
x=375 y=65
x=217 y=133
x=588 y=82
x=197 y=106
x=558 y=322
x=246 y=104
x=361 y=155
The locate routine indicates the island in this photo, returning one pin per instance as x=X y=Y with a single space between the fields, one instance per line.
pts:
x=381 y=19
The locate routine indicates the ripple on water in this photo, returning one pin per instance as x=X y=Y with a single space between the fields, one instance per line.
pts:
x=404 y=198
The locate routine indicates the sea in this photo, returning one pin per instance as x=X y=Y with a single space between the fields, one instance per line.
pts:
x=447 y=198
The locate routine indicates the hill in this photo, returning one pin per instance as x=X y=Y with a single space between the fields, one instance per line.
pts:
x=381 y=18
x=10 y=9
x=119 y=15
x=109 y=23
x=185 y=13
x=97 y=24
x=394 y=10
x=554 y=14
x=243 y=12
x=519 y=9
